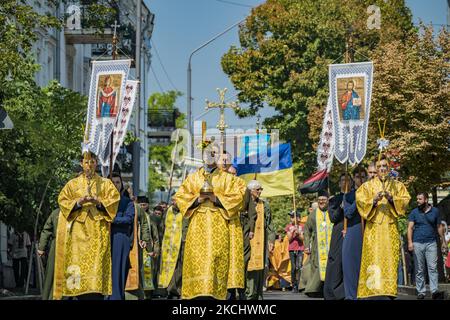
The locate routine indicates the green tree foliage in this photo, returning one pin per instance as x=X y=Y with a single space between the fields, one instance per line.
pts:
x=286 y=47
x=412 y=92
x=44 y=144
x=47 y=121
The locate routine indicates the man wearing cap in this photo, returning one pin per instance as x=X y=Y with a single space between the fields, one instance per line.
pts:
x=317 y=243
x=148 y=244
x=261 y=243
x=294 y=233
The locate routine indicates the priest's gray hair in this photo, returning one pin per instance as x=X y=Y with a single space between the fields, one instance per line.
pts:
x=253 y=184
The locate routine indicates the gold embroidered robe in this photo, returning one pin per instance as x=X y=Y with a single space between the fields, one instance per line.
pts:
x=381 y=242
x=83 y=244
x=280 y=264
x=170 y=248
x=211 y=262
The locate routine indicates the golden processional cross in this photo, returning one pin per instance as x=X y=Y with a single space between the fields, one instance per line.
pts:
x=222 y=105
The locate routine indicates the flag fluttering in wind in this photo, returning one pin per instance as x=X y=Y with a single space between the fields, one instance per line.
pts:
x=272 y=168
x=318 y=181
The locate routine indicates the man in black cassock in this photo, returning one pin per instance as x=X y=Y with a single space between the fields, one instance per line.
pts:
x=334 y=278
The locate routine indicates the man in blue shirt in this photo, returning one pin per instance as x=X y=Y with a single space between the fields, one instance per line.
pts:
x=422 y=235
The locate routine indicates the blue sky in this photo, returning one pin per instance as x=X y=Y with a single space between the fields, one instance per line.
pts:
x=183 y=25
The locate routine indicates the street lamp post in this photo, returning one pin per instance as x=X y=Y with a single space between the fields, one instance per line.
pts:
x=189 y=83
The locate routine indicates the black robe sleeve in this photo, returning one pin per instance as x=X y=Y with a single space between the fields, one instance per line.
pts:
x=335 y=209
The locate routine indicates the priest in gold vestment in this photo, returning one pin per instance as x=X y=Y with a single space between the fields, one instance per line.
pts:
x=212 y=261
x=380 y=201
x=88 y=205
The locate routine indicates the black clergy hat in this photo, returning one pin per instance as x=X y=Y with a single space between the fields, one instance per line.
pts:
x=142 y=199
x=323 y=193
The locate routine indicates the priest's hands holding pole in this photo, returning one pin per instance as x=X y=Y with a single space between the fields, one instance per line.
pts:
x=377 y=198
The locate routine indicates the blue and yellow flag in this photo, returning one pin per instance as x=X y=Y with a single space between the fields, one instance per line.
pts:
x=272 y=167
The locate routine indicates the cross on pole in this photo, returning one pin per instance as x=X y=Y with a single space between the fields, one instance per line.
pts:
x=222 y=105
x=115 y=40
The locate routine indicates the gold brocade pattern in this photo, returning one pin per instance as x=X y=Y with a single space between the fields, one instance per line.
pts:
x=236 y=263
x=323 y=227
x=133 y=273
x=257 y=243
x=280 y=264
x=170 y=247
x=213 y=257
x=83 y=247
x=381 y=243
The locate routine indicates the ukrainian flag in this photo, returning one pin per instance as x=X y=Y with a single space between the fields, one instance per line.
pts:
x=272 y=168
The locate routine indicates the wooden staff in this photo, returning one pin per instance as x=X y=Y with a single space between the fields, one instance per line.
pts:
x=114 y=57
x=362 y=219
x=346 y=189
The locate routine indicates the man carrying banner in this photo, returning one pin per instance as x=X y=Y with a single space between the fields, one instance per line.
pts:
x=261 y=243
x=172 y=251
x=380 y=201
x=211 y=200
x=121 y=240
x=352 y=244
x=88 y=205
x=317 y=242
x=334 y=280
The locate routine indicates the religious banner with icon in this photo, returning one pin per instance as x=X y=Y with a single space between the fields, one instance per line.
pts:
x=350 y=94
x=325 y=149
x=106 y=93
x=123 y=118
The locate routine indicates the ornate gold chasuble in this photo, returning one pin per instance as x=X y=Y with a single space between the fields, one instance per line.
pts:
x=213 y=256
x=257 y=242
x=381 y=243
x=83 y=244
x=324 y=228
x=133 y=273
x=170 y=247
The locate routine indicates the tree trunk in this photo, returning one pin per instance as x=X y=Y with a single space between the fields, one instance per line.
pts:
x=434 y=194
